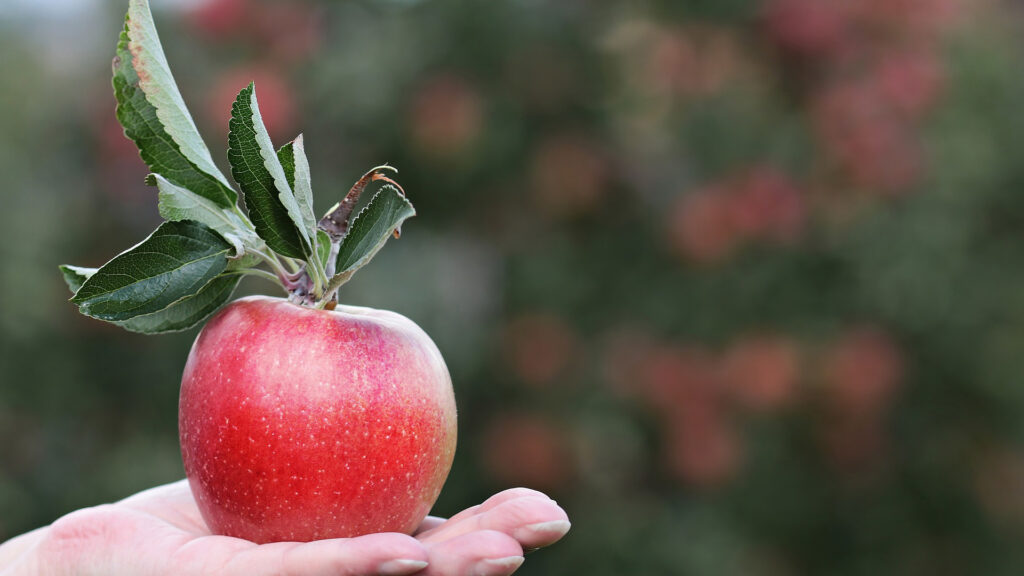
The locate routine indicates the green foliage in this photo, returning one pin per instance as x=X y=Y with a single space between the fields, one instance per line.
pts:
x=75 y=276
x=177 y=204
x=563 y=152
x=162 y=284
x=173 y=263
x=259 y=174
x=154 y=116
x=296 y=166
x=187 y=312
x=323 y=248
x=370 y=230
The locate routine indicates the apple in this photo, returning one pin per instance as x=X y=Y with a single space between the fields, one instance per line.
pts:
x=299 y=424
x=299 y=419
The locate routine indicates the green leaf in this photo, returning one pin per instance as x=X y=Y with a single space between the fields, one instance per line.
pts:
x=187 y=312
x=382 y=217
x=303 y=185
x=154 y=115
x=263 y=181
x=286 y=155
x=244 y=262
x=174 y=262
x=296 y=169
x=177 y=204
x=75 y=276
x=323 y=248
x=336 y=221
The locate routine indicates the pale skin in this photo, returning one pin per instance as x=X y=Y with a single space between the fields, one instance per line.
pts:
x=159 y=532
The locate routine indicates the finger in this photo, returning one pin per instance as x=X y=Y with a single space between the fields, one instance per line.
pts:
x=499 y=498
x=429 y=523
x=511 y=494
x=15 y=547
x=388 y=554
x=483 y=553
x=533 y=522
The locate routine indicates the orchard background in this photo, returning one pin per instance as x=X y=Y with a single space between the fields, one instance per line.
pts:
x=740 y=283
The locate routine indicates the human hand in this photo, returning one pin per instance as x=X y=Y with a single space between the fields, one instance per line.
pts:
x=160 y=532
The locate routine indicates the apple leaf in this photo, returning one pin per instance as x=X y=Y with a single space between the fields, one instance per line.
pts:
x=323 y=248
x=181 y=315
x=302 y=184
x=154 y=116
x=296 y=169
x=177 y=203
x=286 y=156
x=336 y=221
x=263 y=181
x=174 y=262
x=75 y=276
x=188 y=311
x=381 y=218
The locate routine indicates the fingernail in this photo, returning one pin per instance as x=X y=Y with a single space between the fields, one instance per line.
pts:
x=400 y=567
x=553 y=528
x=496 y=566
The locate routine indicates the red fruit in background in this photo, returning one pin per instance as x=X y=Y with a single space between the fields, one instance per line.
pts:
x=569 y=174
x=863 y=370
x=806 y=27
x=275 y=95
x=766 y=203
x=861 y=130
x=289 y=31
x=219 y=17
x=680 y=380
x=539 y=348
x=299 y=424
x=704 y=451
x=701 y=227
x=446 y=117
x=911 y=82
x=762 y=372
x=526 y=450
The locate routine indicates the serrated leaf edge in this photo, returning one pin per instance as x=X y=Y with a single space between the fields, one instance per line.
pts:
x=84 y=308
x=127 y=324
x=161 y=91
x=223 y=221
x=273 y=166
x=343 y=276
x=263 y=222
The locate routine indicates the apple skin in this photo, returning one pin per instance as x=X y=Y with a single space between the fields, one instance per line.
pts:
x=299 y=424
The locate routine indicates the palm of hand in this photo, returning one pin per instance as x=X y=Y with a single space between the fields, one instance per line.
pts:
x=160 y=532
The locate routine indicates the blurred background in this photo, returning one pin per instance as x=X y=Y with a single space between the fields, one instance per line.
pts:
x=739 y=282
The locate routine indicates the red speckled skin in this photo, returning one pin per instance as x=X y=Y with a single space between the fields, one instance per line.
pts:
x=299 y=424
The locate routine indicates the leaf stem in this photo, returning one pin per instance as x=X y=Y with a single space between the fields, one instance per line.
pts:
x=283 y=277
x=293 y=265
x=319 y=276
x=260 y=274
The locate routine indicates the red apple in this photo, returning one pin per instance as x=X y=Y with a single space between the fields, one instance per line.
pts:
x=300 y=424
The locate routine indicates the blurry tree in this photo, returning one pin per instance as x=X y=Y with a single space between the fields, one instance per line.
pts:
x=739 y=282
